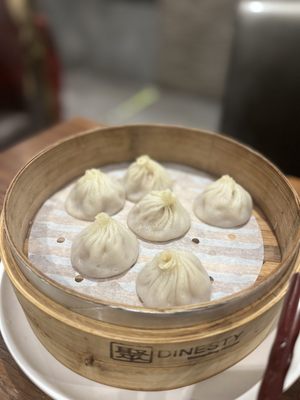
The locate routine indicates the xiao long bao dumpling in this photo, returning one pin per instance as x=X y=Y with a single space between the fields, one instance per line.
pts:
x=224 y=204
x=104 y=249
x=143 y=176
x=173 y=278
x=93 y=193
x=159 y=217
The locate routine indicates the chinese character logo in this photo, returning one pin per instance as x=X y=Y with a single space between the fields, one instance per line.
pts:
x=136 y=354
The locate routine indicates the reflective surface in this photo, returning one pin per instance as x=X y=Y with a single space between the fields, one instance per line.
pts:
x=262 y=99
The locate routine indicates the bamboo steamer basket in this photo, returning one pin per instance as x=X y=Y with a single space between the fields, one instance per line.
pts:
x=135 y=347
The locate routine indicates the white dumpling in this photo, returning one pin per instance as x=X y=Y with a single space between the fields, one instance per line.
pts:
x=93 y=193
x=143 y=176
x=159 y=217
x=224 y=203
x=173 y=278
x=104 y=249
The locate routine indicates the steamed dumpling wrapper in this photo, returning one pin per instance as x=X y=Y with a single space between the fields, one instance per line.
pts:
x=173 y=278
x=224 y=203
x=159 y=217
x=104 y=249
x=143 y=176
x=93 y=193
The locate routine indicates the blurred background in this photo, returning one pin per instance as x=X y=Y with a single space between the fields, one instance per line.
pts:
x=224 y=65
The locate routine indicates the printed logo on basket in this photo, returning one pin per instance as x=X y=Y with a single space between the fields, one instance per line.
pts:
x=137 y=354
x=146 y=354
x=190 y=353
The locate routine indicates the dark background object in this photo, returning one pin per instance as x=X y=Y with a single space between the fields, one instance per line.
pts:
x=29 y=72
x=261 y=104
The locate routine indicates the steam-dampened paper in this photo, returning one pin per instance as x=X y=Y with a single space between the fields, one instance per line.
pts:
x=233 y=257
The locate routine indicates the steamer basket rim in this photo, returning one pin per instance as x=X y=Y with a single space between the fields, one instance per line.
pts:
x=138 y=309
